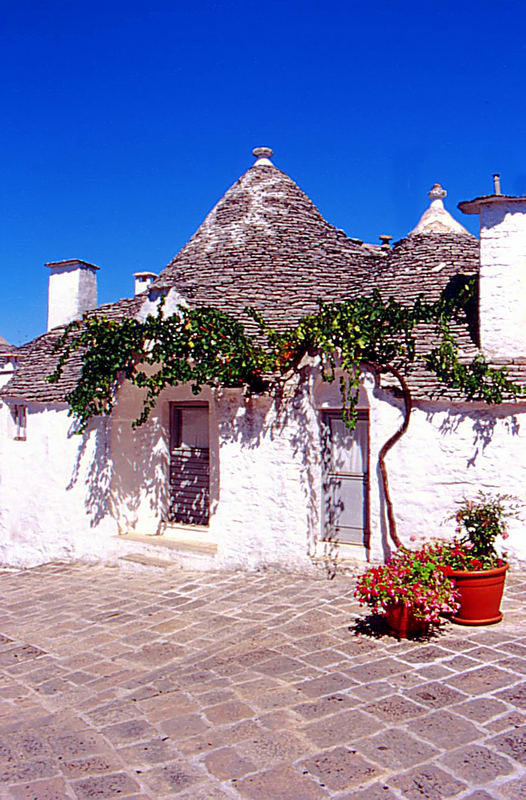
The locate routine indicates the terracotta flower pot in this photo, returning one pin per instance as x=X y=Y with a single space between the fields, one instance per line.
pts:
x=403 y=622
x=480 y=594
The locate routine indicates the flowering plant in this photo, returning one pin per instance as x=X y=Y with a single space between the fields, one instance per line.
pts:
x=483 y=521
x=412 y=578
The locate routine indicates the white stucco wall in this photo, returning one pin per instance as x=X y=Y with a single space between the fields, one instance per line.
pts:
x=448 y=454
x=51 y=491
x=65 y=497
x=503 y=279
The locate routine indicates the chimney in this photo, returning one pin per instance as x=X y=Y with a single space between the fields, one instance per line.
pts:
x=143 y=281
x=502 y=281
x=72 y=290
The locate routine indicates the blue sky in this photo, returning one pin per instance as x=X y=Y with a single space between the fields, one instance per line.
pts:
x=123 y=123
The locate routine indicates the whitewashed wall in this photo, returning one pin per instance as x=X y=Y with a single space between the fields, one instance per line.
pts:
x=65 y=497
x=52 y=491
x=445 y=455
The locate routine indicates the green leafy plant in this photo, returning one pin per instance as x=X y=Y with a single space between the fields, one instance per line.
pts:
x=483 y=521
x=206 y=347
x=411 y=578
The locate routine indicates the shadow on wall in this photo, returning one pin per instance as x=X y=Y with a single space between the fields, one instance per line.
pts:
x=483 y=426
x=126 y=472
x=251 y=420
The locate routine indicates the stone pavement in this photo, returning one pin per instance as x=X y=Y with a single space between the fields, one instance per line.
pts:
x=169 y=684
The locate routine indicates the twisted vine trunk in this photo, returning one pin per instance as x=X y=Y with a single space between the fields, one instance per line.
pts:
x=408 y=405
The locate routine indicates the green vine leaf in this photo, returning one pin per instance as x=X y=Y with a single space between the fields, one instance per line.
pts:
x=206 y=347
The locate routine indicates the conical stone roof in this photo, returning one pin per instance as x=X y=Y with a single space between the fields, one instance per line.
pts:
x=266 y=245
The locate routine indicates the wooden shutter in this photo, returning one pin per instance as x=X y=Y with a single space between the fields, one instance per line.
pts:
x=189 y=464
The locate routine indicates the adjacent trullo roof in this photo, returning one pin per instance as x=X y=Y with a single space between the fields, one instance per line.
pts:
x=266 y=245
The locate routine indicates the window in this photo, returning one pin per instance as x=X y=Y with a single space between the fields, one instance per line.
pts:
x=19 y=413
x=189 y=463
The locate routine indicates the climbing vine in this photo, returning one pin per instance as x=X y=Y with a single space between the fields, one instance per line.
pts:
x=205 y=346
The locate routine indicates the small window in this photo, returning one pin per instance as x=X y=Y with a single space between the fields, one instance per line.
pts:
x=20 y=420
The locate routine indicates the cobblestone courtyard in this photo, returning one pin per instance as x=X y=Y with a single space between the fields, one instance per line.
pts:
x=163 y=683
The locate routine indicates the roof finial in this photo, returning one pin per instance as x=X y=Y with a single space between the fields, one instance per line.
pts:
x=263 y=155
x=436 y=219
x=437 y=192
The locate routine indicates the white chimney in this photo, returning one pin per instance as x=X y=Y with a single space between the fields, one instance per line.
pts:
x=72 y=290
x=143 y=281
x=502 y=283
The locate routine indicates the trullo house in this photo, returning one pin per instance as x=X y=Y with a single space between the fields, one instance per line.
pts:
x=229 y=479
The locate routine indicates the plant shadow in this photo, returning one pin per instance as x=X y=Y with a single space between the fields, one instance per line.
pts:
x=374 y=626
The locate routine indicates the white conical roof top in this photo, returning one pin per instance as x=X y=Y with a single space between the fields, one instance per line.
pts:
x=436 y=219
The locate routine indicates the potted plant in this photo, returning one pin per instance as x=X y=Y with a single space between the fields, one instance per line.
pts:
x=410 y=590
x=472 y=561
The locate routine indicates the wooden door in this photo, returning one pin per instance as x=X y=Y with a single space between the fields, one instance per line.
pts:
x=345 y=478
x=189 y=464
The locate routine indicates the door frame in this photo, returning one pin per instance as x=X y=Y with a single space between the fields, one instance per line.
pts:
x=363 y=414
x=175 y=436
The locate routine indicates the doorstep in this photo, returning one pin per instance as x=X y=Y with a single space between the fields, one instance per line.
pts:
x=181 y=539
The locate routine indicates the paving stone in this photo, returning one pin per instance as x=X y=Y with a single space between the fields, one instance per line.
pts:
x=214 y=738
x=268 y=748
x=276 y=699
x=425 y=654
x=514 y=790
x=105 y=786
x=444 y=729
x=167 y=705
x=278 y=665
x=20 y=654
x=395 y=708
x=73 y=745
x=93 y=765
x=172 y=778
x=156 y=653
x=326 y=705
x=396 y=749
x=514 y=719
x=145 y=754
x=342 y=728
x=281 y=783
x=515 y=695
x=206 y=792
x=225 y=713
x=130 y=731
x=427 y=783
x=378 y=791
x=159 y=672
x=30 y=770
x=434 y=672
x=376 y=670
x=326 y=684
x=49 y=789
x=482 y=680
x=28 y=744
x=436 y=695
x=461 y=663
x=341 y=768
x=476 y=764
x=479 y=794
x=226 y=764
x=480 y=709
x=512 y=744
x=279 y=720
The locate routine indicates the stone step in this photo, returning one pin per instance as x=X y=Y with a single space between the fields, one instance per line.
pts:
x=179 y=544
x=148 y=561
